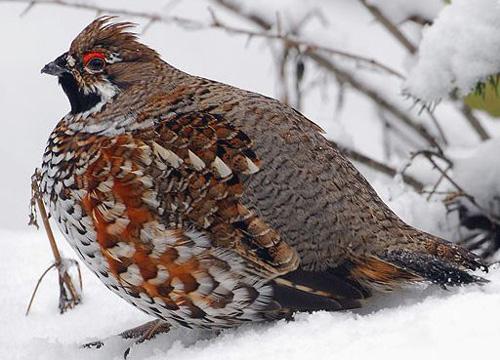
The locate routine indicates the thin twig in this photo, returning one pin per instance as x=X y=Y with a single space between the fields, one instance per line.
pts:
x=182 y=21
x=37 y=286
x=46 y=224
x=375 y=96
x=438 y=126
x=429 y=156
x=65 y=281
x=390 y=26
x=407 y=138
x=283 y=75
x=418 y=19
x=299 y=76
x=435 y=187
x=27 y=9
x=291 y=40
x=435 y=192
x=430 y=153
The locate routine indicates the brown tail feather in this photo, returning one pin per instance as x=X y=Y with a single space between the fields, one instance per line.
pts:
x=426 y=258
x=379 y=274
x=397 y=267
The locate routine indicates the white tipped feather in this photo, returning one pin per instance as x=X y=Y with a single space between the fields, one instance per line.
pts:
x=220 y=166
x=167 y=155
x=121 y=249
x=252 y=168
x=197 y=163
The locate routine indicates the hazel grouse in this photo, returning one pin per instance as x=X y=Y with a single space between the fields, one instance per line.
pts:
x=208 y=206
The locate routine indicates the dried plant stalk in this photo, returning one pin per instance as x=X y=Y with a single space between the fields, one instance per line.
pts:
x=69 y=294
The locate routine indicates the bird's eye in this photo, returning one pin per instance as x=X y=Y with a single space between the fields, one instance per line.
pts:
x=95 y=64
x=94 y=61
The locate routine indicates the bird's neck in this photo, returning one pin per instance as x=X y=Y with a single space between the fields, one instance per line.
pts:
x=88 y=101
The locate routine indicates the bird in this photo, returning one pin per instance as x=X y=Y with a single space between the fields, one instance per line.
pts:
x=207 y=206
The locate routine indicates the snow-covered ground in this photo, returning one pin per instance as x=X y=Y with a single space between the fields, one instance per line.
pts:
x=410 y=324
x=419 y=323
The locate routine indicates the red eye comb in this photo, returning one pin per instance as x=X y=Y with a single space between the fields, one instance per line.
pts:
x=92 y=55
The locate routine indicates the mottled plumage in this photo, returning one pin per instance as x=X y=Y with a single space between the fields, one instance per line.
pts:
x=208 y=206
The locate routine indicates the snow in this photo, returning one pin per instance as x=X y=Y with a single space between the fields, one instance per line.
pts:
x=412 y=323
x=476 y=175
x=457 y=51
x=417 y=211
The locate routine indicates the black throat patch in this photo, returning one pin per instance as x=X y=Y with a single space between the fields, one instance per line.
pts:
x=79 y=101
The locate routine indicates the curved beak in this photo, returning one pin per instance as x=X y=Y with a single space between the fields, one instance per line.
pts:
x=53 y=69
x=56 y=67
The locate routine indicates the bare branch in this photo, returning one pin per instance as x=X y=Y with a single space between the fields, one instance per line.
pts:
x=33 y=294
x=254 y=18
x=290 y=40
x=418 y=19
x=283 y=59
x=152 y=17
x=181 y=21
x=299 y=76
x=474 y=122
x=429 y=155
x=375 y=96
x=438 y=126
x=444 y=172
x=27 y=9
x=389 y=25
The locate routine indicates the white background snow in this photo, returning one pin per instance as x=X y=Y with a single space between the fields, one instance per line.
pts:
x=412 y=324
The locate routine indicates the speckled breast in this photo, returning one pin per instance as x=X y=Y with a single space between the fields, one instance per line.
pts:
x=103 y=192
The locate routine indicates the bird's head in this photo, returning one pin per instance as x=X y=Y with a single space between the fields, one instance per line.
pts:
x=103 y=60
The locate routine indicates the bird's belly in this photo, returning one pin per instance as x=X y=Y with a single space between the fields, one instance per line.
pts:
x=81 y=235
x=79 y=231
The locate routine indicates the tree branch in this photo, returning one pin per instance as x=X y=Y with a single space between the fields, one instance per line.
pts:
x=375 y=96
x=291 y=41
x=474 y=122
x=184 y=22
x=393 y=29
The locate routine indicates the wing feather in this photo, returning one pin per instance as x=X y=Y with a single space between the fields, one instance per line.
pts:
x=204 y=160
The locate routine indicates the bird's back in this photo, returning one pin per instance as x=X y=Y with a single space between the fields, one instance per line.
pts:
x=305 y=188
x=317 y=200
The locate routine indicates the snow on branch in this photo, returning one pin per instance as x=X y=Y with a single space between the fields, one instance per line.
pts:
x=459 y=52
